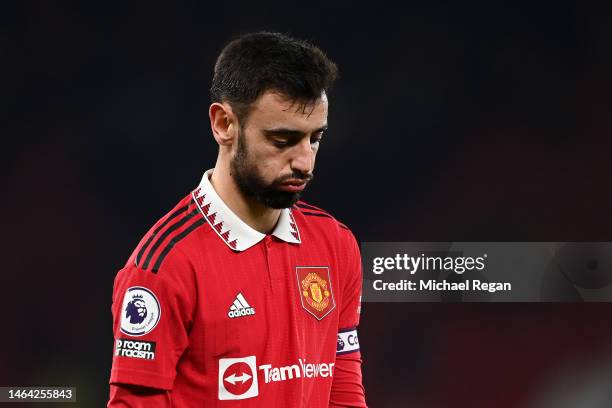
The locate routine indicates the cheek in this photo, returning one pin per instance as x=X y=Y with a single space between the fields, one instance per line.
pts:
x=314 y=155
x=271 y=162
x=270 y=169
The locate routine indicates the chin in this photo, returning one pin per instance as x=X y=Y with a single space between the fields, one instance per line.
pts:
x=280 y=200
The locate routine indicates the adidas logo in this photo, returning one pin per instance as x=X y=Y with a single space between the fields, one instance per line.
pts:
x=240 y=308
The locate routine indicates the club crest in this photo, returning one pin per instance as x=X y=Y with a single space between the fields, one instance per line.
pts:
x=315 y=289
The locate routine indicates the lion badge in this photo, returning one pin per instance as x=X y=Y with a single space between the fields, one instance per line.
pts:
x=140 y=311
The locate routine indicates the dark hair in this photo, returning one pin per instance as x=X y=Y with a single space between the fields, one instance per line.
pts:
x=256 y=62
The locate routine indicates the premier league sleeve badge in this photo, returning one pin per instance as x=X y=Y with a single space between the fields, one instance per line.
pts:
x=140 y=312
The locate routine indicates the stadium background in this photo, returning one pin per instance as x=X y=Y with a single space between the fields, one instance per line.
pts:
x=451 y=121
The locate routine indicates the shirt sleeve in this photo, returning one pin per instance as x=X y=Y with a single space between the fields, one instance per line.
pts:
x=347 y=389
x=123 y=396
x=152 y=315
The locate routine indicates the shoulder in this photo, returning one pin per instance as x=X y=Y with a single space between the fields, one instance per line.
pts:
x=168 y=241
x=319 y=221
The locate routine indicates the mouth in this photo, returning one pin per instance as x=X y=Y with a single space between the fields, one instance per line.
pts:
x=293 y=185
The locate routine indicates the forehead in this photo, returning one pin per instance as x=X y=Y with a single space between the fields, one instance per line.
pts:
x=273 y=110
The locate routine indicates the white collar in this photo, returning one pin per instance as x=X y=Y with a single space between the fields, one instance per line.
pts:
x=236 y=233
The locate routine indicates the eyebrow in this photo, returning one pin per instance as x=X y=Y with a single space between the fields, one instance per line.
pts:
x=290 y=132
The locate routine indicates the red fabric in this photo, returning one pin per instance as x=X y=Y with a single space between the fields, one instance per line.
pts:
x=170 y=335
x=125 y=396
x=288 y=354
x=347 y=389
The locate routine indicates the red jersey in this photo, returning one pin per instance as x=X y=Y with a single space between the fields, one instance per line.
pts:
x=220 y=314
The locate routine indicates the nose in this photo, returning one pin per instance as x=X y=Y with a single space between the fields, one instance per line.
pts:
x=303 y=157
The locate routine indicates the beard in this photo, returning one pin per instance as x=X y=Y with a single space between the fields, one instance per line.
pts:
x=251 y=183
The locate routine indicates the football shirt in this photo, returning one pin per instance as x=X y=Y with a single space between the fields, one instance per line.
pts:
x=220 y=314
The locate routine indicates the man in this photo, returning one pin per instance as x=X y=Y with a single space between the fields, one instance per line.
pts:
x=242 y=295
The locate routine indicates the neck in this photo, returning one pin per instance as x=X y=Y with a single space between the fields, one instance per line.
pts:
x=257 y=216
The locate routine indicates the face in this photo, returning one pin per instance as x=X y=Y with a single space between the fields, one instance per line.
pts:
x=275 y=152
x=140 y=308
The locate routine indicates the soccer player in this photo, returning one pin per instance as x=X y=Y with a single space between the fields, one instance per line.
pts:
x=242 y=295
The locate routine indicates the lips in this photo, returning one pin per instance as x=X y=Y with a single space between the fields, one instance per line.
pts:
x=293 y=185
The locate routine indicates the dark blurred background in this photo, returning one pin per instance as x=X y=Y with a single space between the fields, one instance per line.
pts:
x=471 y=120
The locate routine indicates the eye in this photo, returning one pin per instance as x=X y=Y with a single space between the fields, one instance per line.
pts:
x=280 y=143
x=315 y=139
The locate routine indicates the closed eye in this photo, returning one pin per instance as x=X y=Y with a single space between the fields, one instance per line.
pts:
x=280 y=142
x=282 y=137
x=316 y=138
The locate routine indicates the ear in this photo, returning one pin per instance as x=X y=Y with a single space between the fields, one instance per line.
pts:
x=223 y=123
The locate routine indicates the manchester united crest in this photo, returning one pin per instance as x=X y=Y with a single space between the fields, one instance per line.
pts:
x=315 y=290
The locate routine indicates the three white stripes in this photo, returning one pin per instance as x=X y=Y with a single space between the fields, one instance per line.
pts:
x=239 y=302
x=240 y=307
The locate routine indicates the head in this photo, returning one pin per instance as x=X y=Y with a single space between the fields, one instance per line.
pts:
x=268 y=114
x=136 y=310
